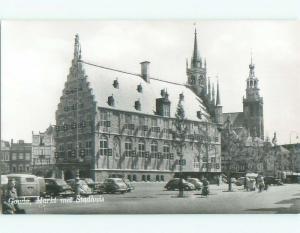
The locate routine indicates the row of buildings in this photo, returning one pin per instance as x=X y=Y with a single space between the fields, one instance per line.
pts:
x=36 y=157
x=113 y=123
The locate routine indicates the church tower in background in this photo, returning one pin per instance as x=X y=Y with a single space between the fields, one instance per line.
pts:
x=253 y=106
x=197 y=72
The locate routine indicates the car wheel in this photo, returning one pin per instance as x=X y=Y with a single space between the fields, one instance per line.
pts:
x=186 y=188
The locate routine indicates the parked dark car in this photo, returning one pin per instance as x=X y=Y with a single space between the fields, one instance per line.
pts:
x=84 y=189
x=57 y=187
x=129 y=185
x=173 y=184
x=114 y=185
x=271 y=180
x=96 y=187
x=196 y=182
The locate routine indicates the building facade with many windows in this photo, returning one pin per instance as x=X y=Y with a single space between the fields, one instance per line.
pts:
x=4 y=157
x=20 y=157
x=116 y=124
x=43 y=148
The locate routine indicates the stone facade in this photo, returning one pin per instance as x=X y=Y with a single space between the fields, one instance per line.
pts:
x=20 y=157
x=4 y=157
x=100 y=135
x=294 y=150
x=43 y=148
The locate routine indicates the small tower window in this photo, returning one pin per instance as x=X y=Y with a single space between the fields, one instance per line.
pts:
x=140 y=88
x=111 y=101
x=137 y=105
x=116 y=84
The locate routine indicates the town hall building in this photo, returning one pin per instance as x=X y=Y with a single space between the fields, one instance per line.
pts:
x=111 y=123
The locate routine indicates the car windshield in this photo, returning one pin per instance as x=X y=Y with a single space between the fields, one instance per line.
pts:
x=119 y=181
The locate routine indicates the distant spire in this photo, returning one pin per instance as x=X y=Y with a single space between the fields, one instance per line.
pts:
x=251 y=66
x=187 y=65
x=218 y=102
x=196 y=56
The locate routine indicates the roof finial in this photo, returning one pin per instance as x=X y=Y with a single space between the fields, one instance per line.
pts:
x=251 y=55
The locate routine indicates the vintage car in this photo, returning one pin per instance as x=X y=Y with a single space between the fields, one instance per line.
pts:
x=96 y=187
x=196 y=182
x=27 y=186
x=271 y=180
x=58 y=187
x=173 y=184
x=83 y=187
x=114 y=185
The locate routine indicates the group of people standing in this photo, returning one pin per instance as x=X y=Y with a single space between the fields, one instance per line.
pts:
x=252 y=183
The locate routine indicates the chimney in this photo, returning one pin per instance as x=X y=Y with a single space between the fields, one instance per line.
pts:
x=145 y=71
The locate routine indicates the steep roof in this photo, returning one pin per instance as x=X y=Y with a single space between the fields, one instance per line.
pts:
x=101 y=82
x=236 y=118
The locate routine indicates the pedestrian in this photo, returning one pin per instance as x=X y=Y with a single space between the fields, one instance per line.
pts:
x=218 y=180
x=260 y=182
x=77 y=188
x=9 y=205
x=205 y=189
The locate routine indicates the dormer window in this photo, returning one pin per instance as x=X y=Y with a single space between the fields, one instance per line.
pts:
x=181 y=96
x=137 y=105
x=111 y=101
x=140 y=88
x=116 y=84
x=199 y=114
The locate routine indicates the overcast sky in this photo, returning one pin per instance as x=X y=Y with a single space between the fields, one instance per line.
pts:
x=36 y=56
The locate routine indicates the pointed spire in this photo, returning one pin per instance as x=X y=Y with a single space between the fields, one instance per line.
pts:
x=187 y=65
x=213 y=93
x=77 y=49
x=196 y=59
x=209 y=90
x=218 y=102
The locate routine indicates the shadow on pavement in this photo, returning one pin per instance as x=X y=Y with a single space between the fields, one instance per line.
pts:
x=293 y=209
